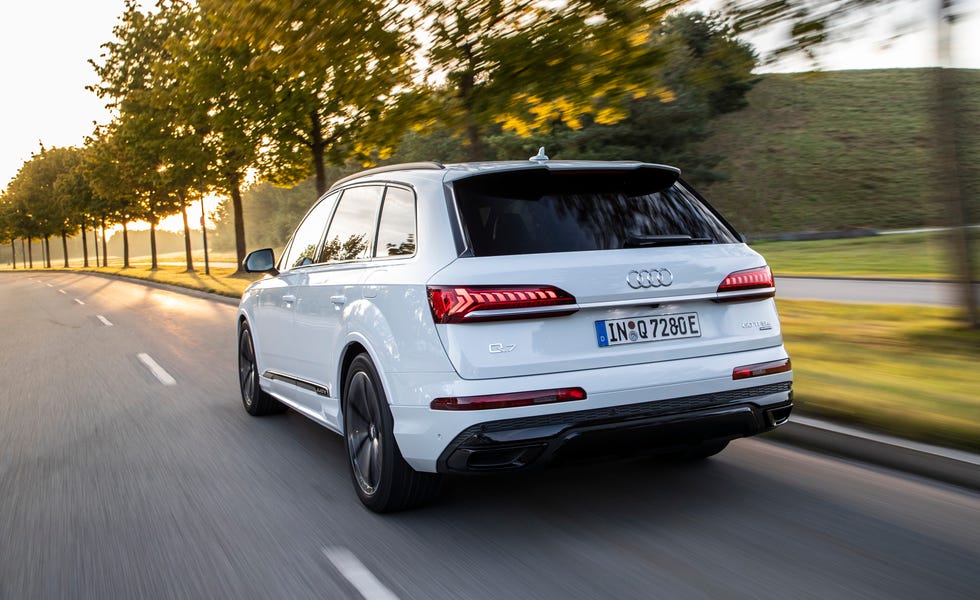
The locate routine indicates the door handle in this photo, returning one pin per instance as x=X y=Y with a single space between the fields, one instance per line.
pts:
x=289 y=298
x=338 y=299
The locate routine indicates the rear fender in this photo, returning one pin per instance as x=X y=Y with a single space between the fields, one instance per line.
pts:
x=392 y=349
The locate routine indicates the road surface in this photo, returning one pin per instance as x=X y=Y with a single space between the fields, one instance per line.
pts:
x=932 y=293
x=128 y=469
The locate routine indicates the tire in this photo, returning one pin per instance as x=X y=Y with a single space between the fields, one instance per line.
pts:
x=256 y=402
x=384 y=482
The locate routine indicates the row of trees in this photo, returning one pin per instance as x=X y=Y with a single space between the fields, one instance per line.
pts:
x=201 y=102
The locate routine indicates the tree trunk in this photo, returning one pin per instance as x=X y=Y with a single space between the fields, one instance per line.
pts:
x=204 y=234
x=952 y=188
x=187 y=235
x=64 y=246
x=30 y=253
x=476 y=149
x=84 y=245
x=105 y=249
x=234 y=183
x=153 y=244
x=44 y=256
x=23 y=253
x=125 y=246
x=13 y=253
x=95 y=242
x=316 y=134
x=47 y=251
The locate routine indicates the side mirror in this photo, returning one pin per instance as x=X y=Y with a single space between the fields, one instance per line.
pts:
x=261 y=261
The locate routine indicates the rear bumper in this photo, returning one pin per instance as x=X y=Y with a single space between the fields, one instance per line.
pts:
x=637 y=429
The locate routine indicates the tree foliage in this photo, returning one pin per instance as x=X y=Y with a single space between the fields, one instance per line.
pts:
x=529 y=65
x=331 y=71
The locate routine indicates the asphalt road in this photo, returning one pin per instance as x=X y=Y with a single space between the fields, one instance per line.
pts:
x=930 y=293
x=115 y=485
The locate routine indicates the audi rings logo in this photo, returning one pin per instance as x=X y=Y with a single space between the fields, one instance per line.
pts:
x=649 y=278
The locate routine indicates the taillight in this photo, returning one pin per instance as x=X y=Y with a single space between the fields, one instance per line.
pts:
x=469 y=304
x=736 y=284
x=508 y=400
x=757 y=370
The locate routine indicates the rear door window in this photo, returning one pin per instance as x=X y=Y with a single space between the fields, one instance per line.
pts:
x=538 y=211
x=351 y=232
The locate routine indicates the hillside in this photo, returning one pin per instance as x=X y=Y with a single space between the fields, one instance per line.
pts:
x=838 y=150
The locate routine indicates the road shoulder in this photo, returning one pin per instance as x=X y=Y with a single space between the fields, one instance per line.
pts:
x=943 y=464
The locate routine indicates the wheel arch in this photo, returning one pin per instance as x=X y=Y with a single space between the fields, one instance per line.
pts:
x=351 y=351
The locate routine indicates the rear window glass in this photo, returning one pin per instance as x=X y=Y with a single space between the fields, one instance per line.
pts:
x=527 y=212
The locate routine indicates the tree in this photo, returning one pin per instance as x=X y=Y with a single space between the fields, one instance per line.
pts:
x=530 y=65
x=104 y=179
x=953 y=195
x=706 y=62
x=7 y=230
x=156 y=141
x=332 y=69
x=215 y=95
x=33 y=190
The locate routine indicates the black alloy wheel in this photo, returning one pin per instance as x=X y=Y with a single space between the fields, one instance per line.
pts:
x=384 y=482
x=363 y=435
x=255 y=401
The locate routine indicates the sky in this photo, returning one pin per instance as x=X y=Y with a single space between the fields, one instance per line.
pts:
x=46 y=45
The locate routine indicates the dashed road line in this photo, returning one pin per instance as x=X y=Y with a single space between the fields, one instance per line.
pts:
x=48 y=284
x=79 y=301
x=105 y=321
x=63 y=291
x=156 y=369
x=358 y=575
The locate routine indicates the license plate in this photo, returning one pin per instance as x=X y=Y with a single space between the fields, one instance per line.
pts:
x=654 y=328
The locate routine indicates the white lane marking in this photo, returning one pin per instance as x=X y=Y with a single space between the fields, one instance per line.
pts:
x=156 y=369
x=105 y=321
x=79 y=301
x=48 y=284
x=358 y=575
x=63 y=291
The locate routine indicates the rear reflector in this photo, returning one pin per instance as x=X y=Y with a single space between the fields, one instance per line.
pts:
x=767 y=368
x=469 y=304
x=509 y=400
x=744 y=281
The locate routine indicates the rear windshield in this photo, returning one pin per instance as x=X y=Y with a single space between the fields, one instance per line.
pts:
x=528 y=212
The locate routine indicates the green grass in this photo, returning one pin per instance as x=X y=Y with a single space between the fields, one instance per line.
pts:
x=839 y=150
x=920 y=255
x=908 y=371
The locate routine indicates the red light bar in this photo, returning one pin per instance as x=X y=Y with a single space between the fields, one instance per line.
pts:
x=750 y=279
x=455 y=304
x=509 y=400
x=757 y=370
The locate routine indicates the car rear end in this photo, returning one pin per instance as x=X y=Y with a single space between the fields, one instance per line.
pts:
x=597 y=308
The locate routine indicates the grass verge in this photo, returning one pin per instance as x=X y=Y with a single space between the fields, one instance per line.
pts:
x=906 y=370
x=914 y=256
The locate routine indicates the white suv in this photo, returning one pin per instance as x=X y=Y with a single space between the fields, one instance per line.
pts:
x=500 y=316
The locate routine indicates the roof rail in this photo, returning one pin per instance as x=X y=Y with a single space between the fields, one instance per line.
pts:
x=431 y=166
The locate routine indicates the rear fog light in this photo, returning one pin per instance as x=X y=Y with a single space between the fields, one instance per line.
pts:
x=509 y=400
x=766 y=368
